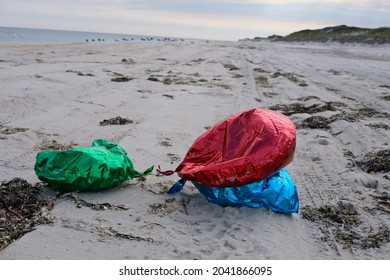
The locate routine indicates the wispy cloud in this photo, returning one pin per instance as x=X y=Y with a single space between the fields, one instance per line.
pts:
x=230 y=19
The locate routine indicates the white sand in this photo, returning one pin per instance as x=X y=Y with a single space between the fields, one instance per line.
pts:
x=41 y=91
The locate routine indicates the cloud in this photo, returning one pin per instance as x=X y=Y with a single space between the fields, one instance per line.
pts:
x=304 y=2
x=230 y=19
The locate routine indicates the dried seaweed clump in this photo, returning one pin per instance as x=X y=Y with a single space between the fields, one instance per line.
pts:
x=353 y=240
x=55 y=145
x=375 y=161
x=22 y=208
x=93 y=205
x=292 y=77
x=231 y=67
x=365 y=112
x=340 y=223
x=383 y=201
x=121 y=79
x=377 y=239
x=332 y=215
x=315 y=122
x=116 y=121
x=298 y=108
x=12 y=130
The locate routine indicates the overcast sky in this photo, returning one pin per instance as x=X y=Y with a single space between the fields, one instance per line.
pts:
x=204 y=19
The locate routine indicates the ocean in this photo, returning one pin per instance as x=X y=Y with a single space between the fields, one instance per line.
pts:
x=16 y=34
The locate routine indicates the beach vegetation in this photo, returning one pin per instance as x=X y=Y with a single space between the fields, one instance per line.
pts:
x=342 y=34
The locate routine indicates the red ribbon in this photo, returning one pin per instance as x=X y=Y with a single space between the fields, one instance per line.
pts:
x=164 y=173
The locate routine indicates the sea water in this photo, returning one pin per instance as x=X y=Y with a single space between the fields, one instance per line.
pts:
x=16 y=34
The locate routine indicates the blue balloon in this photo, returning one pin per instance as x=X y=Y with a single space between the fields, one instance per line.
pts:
x=277 y=192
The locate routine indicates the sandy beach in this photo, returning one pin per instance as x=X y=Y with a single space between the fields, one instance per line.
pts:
x=56 y=96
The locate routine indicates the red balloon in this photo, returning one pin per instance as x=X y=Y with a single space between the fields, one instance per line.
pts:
x=242 y=149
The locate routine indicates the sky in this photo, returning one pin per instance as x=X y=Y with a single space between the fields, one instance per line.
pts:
x=201 y=19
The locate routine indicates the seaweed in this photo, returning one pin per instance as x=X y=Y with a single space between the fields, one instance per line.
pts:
x=352 y=239
x=116 y=121
x=231 y=67
x=365 y=112
x=12 y=130
x=133 y=237
x=168 y=96
x=93 y=205
x=22 y=208
x=320 y=122
x=376 y=239
x=292 y=77
x=339 y=222
x=263 y=81
x=331 y=215
x=375 y=161
x=297 y=108
x=315 y=122
x=153 y=79
x=121 y=79
x=383 y=201
x=54 y=145
x=379 y=125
